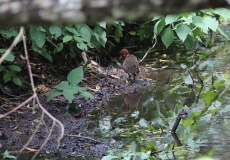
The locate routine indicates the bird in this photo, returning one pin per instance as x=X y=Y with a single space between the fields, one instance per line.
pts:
x=130 y=64
x=131 y=101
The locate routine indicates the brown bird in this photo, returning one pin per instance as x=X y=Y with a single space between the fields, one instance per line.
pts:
x=130 y=64
x=131 y=101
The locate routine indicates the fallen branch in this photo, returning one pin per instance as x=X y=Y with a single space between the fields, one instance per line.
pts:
x=155 y=38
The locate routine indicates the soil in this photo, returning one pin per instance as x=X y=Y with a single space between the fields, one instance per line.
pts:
x=102 y=82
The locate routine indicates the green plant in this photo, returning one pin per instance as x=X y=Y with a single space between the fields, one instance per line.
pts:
x=72 y=37
x=70 y=87
x=187 y=27
x=6 y=155
x=10 y=70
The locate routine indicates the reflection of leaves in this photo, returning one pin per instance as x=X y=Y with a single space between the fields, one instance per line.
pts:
x=188 y=121
x=225 y=109
x=209 y=97
x=109 y=157
x=143 y=123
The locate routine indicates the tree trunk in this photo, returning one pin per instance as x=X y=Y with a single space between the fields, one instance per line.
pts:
x=33 y=12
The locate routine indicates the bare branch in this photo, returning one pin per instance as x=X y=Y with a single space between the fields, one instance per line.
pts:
x=16 y=108
x=155 y=38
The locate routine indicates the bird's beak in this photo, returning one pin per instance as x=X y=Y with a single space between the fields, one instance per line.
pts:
x=120 y=57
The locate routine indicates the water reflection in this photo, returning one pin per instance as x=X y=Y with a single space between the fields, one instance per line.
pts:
x=131 y=102
x=143 y=117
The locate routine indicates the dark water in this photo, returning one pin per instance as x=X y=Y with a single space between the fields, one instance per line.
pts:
x=138 y=123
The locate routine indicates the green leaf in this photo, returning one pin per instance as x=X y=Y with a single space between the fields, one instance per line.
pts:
x=200 y=22
x=102 y=24
x=59 y=47
x=223 y=12
x=189 y=41
x=159 y=26
x=69 y=94
x=110 y=157
x=79 y=89
x=118 y=24
x=185 y=15
x=167 y=36
x=62 y=86
x=7 y=155
x=118 y=34
x=55 y=31
x=171 y=18
x=87 y=95
x=75 y=76
x=183 y=66
x=53 y=93
x=196 y=32
x=84 y=31
x=182 y=31
x=209 y=97
x=12 y=32
x=78 y=39
x=157 y=17
x=42 y=29
x=48 y=56
x=145 y=31
x=143 y=123
x=2 y=68
x=73 y=30
x=37 y=36
x=223 y=32
x=212 y=23
x=14 y=68
x=82 y=46
x=93 y=42
x=100 y=35
x=7 y=77
x=7 y=89
x=67 y=38
x=17 y=81
x=10 y=57
x=187 y=122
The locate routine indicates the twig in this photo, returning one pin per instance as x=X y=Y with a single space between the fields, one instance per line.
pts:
x=34 y=97
x=78 y=136
x=16 y=108
x=155 y=38
x=16 y=40
x=35 y=131
x=46 y=140
x=54 y=119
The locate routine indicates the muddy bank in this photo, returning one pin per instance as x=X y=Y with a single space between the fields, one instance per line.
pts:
x=103 y=83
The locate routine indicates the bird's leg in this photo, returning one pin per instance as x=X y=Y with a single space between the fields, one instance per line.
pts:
x=134 y=75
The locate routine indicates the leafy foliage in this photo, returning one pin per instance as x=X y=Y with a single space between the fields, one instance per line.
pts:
x=187 y=27
x=70 y=87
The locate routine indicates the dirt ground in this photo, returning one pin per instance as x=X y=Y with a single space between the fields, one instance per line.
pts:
x=102 y=82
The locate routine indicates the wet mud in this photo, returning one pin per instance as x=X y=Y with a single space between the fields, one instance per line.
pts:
x=104 y=83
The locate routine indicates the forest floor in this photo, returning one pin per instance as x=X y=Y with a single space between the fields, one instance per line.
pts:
x=102 y=82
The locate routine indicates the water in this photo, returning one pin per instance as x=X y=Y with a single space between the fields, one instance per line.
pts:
x=139 y=122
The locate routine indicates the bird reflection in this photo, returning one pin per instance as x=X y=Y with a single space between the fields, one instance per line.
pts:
x=131 y=101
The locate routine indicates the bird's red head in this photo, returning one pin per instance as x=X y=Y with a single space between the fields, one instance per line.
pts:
x=123 y=53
